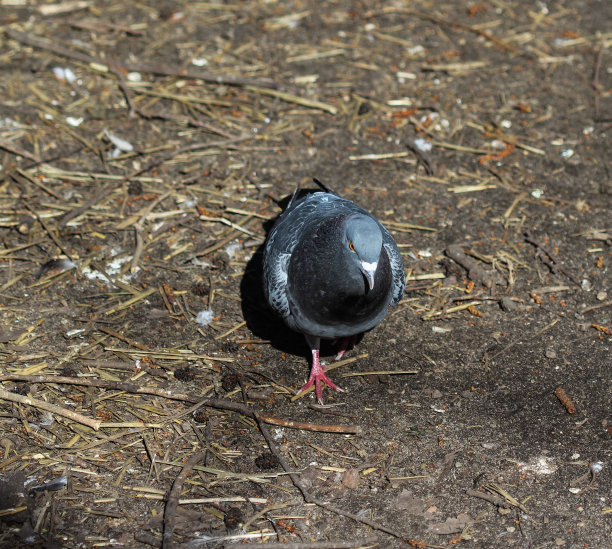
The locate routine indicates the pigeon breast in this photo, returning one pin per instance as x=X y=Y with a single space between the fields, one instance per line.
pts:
x=328 y=294
x=312 y=277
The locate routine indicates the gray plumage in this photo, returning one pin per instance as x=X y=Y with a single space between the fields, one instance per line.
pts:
x=330 y=270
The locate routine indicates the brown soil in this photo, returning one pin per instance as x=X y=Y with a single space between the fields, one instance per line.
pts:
x=479 y=133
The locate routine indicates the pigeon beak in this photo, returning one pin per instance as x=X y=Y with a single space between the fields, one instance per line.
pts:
x=369 y=270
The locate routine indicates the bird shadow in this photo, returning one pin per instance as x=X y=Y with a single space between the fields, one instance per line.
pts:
x=259 y=317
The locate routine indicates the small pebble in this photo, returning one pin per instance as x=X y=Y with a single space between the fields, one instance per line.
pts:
x=74 y=121
x=507 y=304
x=423 y=145
x=65 y=74
x=550 y=353
x=597 y=467
x=586 y=285
x=601 y=296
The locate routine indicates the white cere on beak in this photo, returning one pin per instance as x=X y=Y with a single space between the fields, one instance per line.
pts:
x=369 y=270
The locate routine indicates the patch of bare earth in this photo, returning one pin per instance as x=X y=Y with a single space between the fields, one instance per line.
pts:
x=148 y=396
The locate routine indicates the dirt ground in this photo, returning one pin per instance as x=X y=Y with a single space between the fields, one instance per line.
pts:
x=146 y=393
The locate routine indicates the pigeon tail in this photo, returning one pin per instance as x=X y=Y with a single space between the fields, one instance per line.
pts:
x=294 y=196
x=317 y=372
x=323 y=186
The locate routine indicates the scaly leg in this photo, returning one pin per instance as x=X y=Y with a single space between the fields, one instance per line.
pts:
x=346 y=342
x=317 y=371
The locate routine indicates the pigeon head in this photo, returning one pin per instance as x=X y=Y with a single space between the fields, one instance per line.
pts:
x=364 y=241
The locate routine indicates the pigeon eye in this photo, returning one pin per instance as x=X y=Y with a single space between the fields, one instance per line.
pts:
x=351 y=246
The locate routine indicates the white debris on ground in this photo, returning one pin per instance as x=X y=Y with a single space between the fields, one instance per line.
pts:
x=205 y=317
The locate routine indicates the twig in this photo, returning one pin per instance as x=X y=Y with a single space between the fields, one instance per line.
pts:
x=556 y=263
x=421 y=159
x=372 y=540
x=227 y=222
x=399 y=226
x=123 y=338
x=449 y=310
x=29 y=401
x=381 y=373
x=34 y=181
x=133 y=108
x=17 y=151
x=350 y=429
x=53 y=237
x=594 y=307
x=231 y=330
x=76 y=212
x=595 y=82
x=519 y=340
x=290 y=98
x=173 y=498
x=135 y=388
x=476 y=272
x=214 y=403
x=131 y=301
x=264 y=511
x=488 y=497
x=205 y=76
x=379 y=156
x=495 y=489
x=231 y=236
x=560 y=393
x=127 y=387
x=454 y=24
x=309 y=498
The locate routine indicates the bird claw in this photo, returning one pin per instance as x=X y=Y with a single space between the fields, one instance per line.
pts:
x=317 y=378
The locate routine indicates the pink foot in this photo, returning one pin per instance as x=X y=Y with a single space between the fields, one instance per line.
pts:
x=346 y=341
x=317 y=376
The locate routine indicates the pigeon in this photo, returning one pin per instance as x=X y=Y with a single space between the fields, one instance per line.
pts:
x=330 y=271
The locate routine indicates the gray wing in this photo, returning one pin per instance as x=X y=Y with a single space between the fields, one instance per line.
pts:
x=275 y=282
x=397 y=267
